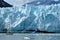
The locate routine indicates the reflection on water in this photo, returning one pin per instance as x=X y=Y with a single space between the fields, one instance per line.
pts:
x=30 y=37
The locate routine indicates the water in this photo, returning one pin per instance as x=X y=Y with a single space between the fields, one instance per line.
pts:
x=30 y=37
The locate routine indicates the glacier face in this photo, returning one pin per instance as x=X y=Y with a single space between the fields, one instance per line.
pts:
x=31 y=17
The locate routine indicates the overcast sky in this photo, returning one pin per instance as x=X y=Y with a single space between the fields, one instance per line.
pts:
x=18 y=2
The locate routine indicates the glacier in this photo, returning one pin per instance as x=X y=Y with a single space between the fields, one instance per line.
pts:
x=31 y=17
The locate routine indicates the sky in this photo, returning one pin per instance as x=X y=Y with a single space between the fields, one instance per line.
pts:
x=18 y=2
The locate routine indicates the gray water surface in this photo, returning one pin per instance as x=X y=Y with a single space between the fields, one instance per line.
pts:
x=40 y=36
